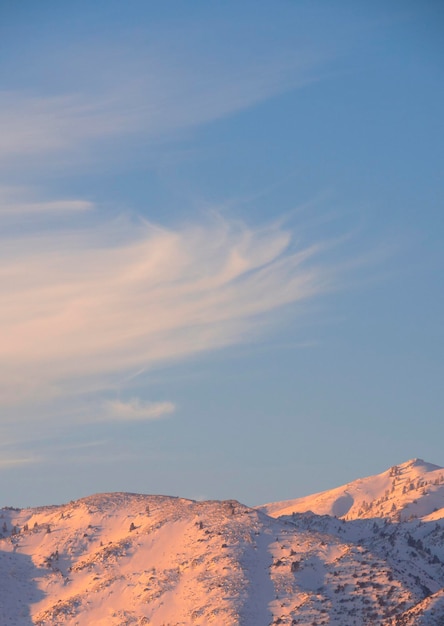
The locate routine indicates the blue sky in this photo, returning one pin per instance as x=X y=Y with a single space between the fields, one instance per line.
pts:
x=221 y=247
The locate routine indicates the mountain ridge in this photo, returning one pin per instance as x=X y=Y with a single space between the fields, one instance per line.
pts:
x=393 y=493
x=128 y=559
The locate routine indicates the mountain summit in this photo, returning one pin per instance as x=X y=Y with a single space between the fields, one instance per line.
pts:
x=414 y=489
x=121 y=559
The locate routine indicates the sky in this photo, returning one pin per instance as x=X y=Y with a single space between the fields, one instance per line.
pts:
x=221 y=259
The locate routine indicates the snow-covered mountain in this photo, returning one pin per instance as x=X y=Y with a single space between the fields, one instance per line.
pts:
x=410 y=490
x=127 y=559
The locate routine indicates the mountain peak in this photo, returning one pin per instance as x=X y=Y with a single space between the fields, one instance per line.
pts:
x=429 y=467
x=412 y=489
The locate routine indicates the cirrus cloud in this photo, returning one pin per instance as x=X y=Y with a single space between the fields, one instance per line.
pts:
x=16 y=201
x=84 y=308
x=136 y=410
x=159 y=101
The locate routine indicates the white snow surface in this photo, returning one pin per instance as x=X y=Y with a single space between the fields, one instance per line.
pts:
x=412 y=489
x=122 y=559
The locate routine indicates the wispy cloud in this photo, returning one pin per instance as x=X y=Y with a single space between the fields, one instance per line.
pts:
x=155 y=101
x=35 y=125
x=6 y=463
x=21 y=201
x=82 y=309
x=136 y=410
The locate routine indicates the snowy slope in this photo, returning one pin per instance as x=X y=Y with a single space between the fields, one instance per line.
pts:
x=412 y=489
x=126 y=559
